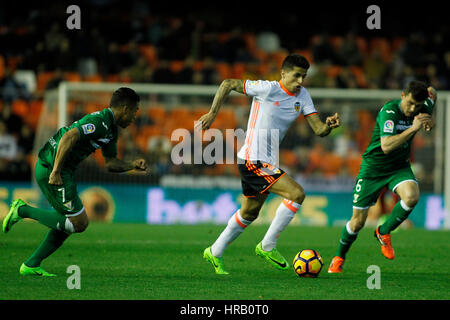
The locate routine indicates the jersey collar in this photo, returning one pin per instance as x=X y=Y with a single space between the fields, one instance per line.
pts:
x=112 y=113
x=286 y=90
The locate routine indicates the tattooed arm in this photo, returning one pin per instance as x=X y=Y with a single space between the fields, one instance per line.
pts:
x=222 y=93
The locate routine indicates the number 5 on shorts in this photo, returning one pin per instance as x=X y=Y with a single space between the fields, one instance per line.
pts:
x=357 y=190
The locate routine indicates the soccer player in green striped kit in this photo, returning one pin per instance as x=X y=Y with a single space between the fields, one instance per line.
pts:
x=55 y=168
x=386 y=163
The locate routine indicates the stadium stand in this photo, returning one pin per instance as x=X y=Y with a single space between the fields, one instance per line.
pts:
x=147 y=54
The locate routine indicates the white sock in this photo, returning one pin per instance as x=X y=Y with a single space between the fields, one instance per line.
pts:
x=69 y=228
x=349 y=230
x=284 y=214
x=236 y=225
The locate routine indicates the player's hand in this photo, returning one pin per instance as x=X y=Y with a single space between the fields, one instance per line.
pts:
x=140 y=164
x=423 y=120
x=333 y=121
x=432 y=93
x=428 y=125
x=205 y=121
x=55 y=179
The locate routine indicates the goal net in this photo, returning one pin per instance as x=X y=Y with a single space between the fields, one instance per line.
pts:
x=166 y=120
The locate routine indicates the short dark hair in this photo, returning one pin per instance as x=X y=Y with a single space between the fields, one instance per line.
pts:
x=418 y=90
x=295 y=60
x=124 y=97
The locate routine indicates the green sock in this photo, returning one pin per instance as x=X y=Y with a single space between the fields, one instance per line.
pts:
x=345 y=242
x=399 y=214
x=52 y=241
x=49 y=218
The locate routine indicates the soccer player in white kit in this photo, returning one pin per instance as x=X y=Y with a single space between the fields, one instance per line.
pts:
x=275 y=106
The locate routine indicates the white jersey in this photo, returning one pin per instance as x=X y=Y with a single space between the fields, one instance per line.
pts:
x=273 y=111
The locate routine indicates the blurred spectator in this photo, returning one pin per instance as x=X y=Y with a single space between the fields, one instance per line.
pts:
x=346 y=79
x=317 y=76
x=323 y=52
x=162 y=73
x=26 y=140
x=344 y=142
x=176 y=41
x=114 y=50
x=186 y=75
x=407 y=75
x=299 y=135
x=13 y=122
x=112 y=60
x=54 y=82
x=11 y=89
x=64 y=57
x=141 y=71
x=272 y=73
x=413 y=52
x=154 y=31
x=348 y=52
x=87 y=67
x=268 y=41
x=36 y=58
x=159 y=149
x=208 y=74
x=130 y=55
x=433 y=78
x=236 y=50
x=53 y=39
x=13 y=165
x=213 y=47
x=8 y=144
x=251 y=73
x=375 y=69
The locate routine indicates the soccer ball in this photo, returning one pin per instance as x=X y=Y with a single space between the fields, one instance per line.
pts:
x=307 y=263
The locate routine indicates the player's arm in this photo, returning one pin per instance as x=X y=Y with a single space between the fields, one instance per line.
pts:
x=429 y=106
x=68 y=140
x=222 y=93
x=117 y=165
x=391 y=143
x=432 y=93
x=320 y=128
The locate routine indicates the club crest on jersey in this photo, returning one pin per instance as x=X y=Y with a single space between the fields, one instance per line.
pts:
x=388 y=126
x=69 y=205
x=297 y=106
x=88 y=128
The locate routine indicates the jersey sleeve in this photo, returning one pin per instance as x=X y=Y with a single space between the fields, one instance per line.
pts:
x=307 y=104
x=387 y=121
x=259 y=88
x=110 y=150
x=91 y=127
x=429 y=106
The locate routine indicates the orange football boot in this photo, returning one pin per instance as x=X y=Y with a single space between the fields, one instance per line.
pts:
x=336 y=265
x=385 y=241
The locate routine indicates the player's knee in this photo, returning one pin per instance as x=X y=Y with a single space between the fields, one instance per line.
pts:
x=357 y=225
x=249 y=214
x=81 y=226
x=297 y=195
x=357 y=222
x=411 y=200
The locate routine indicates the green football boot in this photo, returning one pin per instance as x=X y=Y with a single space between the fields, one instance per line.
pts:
x=13 y=215
x=216 y=262
x=37 y=271
x=273 y=257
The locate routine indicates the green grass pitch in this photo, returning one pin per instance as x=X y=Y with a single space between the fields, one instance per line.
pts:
x=138 y=261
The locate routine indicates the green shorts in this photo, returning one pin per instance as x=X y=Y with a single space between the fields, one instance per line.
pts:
x=63 y=198
x=367 y=190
